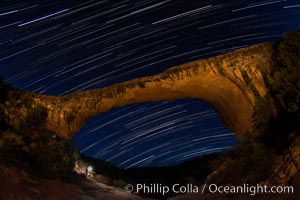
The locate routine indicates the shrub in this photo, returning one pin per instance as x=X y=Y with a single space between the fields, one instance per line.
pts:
x=249 y=163
x=11 y=145
x=3 y=90
x=11 y=141
x=52 y=161
x=263 y=114
x=284 y=82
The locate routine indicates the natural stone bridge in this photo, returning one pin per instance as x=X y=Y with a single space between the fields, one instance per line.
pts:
x=231 y=83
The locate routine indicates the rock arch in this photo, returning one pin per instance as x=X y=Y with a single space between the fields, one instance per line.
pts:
x=231 y=83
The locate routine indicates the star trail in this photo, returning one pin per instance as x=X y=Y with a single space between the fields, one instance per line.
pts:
x=60 y=47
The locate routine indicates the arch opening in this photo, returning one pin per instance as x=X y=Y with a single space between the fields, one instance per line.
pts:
x=155 y=134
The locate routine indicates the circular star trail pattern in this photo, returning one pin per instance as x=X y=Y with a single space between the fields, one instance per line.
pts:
x=60 y=47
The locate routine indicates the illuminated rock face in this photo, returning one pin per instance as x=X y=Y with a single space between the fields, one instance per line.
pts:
x=231 y=83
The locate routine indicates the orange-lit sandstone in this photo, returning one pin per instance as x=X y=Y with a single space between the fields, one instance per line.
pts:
x=231 y=83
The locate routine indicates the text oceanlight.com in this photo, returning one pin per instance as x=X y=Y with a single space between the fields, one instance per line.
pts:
x=250 y=189
x=210 y=188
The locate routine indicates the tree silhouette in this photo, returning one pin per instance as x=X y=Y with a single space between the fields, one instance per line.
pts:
x=285 y=81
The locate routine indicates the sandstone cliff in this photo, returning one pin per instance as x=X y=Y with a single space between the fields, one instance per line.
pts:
x=231 y=83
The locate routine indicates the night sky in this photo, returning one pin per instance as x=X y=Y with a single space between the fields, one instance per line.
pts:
x=59 y=47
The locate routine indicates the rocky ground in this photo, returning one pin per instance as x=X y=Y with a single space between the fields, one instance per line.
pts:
x=15 y=185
